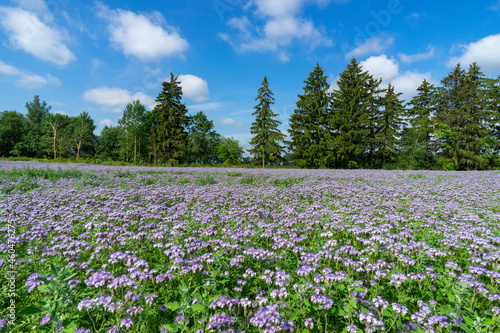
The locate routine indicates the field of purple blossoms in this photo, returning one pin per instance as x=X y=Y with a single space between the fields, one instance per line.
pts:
x=124 y=249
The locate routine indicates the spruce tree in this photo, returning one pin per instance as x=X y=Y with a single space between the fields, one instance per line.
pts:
x=462 y=119
x=390 y=124
x=492 y=144
x=353 y=115
x=419 y=144
x=308 y=123
x=172 y=120
x=266 y=135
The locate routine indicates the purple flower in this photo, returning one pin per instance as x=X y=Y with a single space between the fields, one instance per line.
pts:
x=309 y=323
x=126 y=322
x=45 y=319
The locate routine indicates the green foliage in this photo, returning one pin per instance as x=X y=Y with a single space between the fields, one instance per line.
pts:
x=13 y=126
x=206 y=179
x=26 y=178
x=172 y=120
x=132 y=122
x=202 y=141
x=267 y=138
x=109 y=143
x=390 y=124
x=308 y=123
x=32 y=143
x=229 y=151
x=83 y=133
x=354 y=117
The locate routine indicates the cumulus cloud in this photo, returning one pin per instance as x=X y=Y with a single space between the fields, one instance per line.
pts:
x=106 y=122
x=146 y=37
x=231 y=122
x=115 y=99
x=282 y=26
x=381 y=67
x=485 y=52
x=194 y=88
x=388 y=70
x=408 y=59
x=25 y=78
x=27 y=32
x=375 y=44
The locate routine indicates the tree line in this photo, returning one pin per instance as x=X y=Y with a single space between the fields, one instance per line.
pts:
x=360 y=124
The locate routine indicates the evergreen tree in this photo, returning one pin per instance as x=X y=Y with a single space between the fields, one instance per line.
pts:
x=390 y=124
x=266 y=135
x=308 y=123
x=417 y=152
x=462 y=118
x=492 y=144
x=172 y=120
x=354 y=107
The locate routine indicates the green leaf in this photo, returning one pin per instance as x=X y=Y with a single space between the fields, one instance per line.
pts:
x=340 y=287
x=43 y=288
x=197 y=307
x=387 y=313
x=172 y=306
x=294 y=316
x=469 y=321
x=305 y=330
x=465 y=327
x=170 y=327
x=360 y=289
x=29 y=310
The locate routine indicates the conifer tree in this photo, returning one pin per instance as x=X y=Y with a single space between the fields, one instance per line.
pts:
x=172 y=120
x=462 y=117
x=418 y=145
x=390 y=124
x=308 y=123
x=267 y=137
x=353 y=105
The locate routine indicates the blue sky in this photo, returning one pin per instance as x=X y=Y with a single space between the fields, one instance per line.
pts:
x=98 y=56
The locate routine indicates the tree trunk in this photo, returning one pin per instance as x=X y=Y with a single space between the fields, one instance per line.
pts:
x=263 y=165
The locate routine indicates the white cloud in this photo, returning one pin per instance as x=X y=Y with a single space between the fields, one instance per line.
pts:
x=64 y=113
x=231 y=122
x=26 y=79
x=194 y=88
x=116 y=99
x=381 y=67
x=206 y=106
x=282 y=26
x=388 y=70
x=408 y=82
x=408 y=59
x=375 y=44
x=28 y=33
x=106 y=122
x=144 y=37
x=485 y=52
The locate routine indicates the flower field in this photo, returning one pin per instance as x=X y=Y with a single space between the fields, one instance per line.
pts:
x=115 y=249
